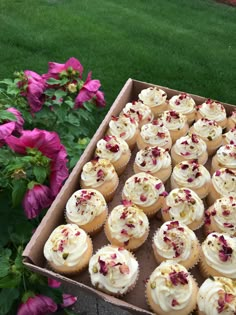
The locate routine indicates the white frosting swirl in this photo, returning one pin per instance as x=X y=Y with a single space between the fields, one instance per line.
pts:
x=219 y=250
x=182 y=103
x=207 y=129
x=217 y=295
x=184 y=205
x=173 y=120
x=223 y=213
x=190 y=146
x=126 y=222
x=171 y=286
x=190 y=174
x=84 y=205
x=143 y=189
x=174 y=240
x=113 y=269
x=66 y=245
x=155 y=135
x=123 y=126
x=226 y=155
x=224 y=181
x=153 y=96
x=97 y=171
x=212 y=110
x=138 y=111
x=111 y=148
x=153 y=159
x=230 y=136
x=232 y=117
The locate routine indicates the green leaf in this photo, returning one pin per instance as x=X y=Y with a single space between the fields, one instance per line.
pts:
x=40 y=173
x=60 y=93
x=18 y=191
x=4 y=262
x=7 y=298
x=69 y=312
x=12 y=280
x=5 y=115
x=53 y=81
x=6 y=81
x=53 y=293
x=49 y=92
x=70 y=103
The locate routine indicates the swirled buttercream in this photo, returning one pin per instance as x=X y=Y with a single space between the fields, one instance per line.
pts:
x=224 y=181
x=143 y=189
x=84 y=205
x=184 y=205
x=123 y=126
x=212 y=110
x=173 y=120
x=126 y=222
x=190 y=174
x=171 y=286
x=174 y=240
x=66 y=245
x=152 y=159
x=138 y=111
x=223 y=213
x=230 y=136
x=111 y=148
x=190 y=146
x=182 y=103
x=155 y=134
x=97 y=171
x=226 y=156
x=219 y=250
x=217 y=295
x=207 y=129
x=153 y=96
x=113 y=269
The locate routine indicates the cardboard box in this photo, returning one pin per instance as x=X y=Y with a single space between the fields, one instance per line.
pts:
x=33 y=253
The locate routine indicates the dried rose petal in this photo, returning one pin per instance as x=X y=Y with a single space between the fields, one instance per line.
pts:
x=178 y=278
x=184 y=166
x=158 y=186
x=143 y=198
x=126 y=203
x=124 y=269
x=217 y=173
x=113 y=256
x=130 y=225
x=164 y=194
x=103 y=266
x=172 y=225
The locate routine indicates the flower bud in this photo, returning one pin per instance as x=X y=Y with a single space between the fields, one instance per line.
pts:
x=72 y=87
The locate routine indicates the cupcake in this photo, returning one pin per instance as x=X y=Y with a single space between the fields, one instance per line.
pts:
x=231 y=121
x=221 y=216
x=68 y=249
x=209 y=132
x=115 y=150
x=127 y=226
x=155 y=161
x=152 y=135
x=183 y=205
x=155 y=99
x=190 y=174
x=145 y=191
x=218 y=257
x=171 y=290
x=224 y=157
x=175 y=122
x=138 y=111
x=184 y=104
x=124 y=127
x=214 y=111
x=217 y=295
x=100 y=174
x=113 y=270
x=230 y=137
x=190 y=147
x=175 y=241
x=88 y=209
x=223 y=183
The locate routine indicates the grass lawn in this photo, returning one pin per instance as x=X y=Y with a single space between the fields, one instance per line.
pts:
x=184 y=44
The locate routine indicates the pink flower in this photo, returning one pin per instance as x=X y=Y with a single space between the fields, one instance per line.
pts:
x=53 y=283
x=11 y=127
x=37 y=305
x=56 y=68
x=34 y=90
x=100 y=101
x=88 y=91
x=68 y=300
x=49 y=144
x=36 y=199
